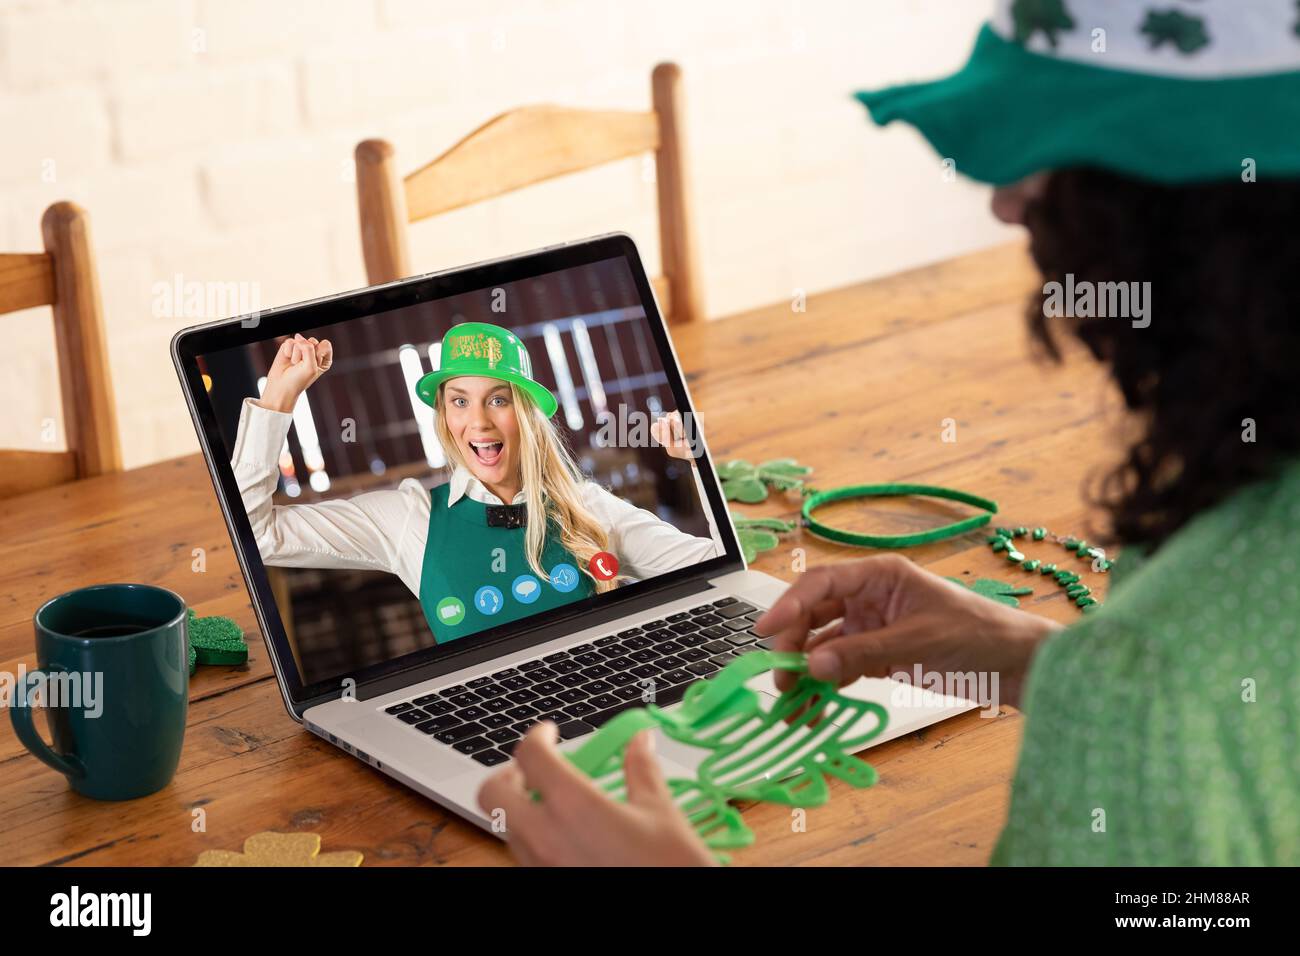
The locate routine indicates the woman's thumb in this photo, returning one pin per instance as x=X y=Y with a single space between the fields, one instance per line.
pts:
x=282 y=356
x=844 y=659
x=645 y=781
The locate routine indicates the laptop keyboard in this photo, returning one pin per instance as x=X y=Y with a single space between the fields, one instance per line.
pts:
x=585 y=686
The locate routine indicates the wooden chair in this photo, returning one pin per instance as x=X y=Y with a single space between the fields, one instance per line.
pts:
x=63 y=276
x=530 y=145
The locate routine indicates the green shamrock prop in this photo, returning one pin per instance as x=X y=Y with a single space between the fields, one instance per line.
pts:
x=742 y=481
x=1170 y=26
x=215 y=640
x=757 y=534
x=780 y=755
x=1032 y=16
x=998 y=591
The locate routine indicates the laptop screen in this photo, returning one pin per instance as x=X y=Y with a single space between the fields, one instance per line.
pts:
x=423 y=478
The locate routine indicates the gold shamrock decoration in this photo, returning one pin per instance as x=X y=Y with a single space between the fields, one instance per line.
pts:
x=279 y=849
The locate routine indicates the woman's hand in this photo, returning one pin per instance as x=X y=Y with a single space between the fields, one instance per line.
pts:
x=669 y=431
x=884 y=614
x=298 y=363
x=575 y=823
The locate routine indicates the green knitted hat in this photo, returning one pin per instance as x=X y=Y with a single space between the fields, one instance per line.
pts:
x=1173 y=92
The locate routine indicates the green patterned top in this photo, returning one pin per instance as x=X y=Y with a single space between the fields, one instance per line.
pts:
x=1164 y=729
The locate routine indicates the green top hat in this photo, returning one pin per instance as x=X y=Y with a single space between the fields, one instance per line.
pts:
x=487 y=351
x=1205 y=91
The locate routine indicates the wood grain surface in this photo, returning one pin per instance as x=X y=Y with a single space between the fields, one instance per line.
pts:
x=860 y=385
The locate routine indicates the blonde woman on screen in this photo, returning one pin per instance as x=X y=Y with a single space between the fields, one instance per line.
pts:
x=518 y=529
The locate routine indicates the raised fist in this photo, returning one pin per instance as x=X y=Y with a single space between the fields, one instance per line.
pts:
x=298 y=363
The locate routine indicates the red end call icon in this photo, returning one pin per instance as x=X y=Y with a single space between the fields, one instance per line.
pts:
x=603 y=565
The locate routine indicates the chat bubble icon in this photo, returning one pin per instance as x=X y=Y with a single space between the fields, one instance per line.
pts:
x=526 y=589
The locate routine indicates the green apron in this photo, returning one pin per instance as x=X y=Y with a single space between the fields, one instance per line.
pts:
x=476 y=576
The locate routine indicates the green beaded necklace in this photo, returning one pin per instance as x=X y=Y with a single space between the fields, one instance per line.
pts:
x=1003 y=539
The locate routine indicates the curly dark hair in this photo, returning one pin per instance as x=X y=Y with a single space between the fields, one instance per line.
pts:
x=1223 y=344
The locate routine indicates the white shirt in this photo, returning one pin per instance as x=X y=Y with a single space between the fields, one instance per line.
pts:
x=386 y=530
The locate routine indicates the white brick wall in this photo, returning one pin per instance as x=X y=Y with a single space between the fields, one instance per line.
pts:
x=212 y=140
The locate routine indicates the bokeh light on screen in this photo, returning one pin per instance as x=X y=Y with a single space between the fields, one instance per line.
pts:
x=304 y=424
x=563 y=377
x=412 y=369
x=590 y=370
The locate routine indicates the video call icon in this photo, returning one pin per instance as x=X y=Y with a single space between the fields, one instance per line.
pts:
x=450 y=611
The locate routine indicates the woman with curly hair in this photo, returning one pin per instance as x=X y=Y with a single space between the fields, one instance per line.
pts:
x=1136 y=146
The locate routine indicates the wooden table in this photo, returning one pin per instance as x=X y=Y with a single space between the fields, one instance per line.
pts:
x=860 y=385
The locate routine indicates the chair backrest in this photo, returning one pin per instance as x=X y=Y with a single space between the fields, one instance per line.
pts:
x=527 y=146
x=63 y=276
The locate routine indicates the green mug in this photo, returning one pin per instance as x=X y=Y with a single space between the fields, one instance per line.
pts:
x=114 y=680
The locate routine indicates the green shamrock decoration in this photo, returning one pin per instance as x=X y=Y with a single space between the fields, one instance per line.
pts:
x=1031 y=16
x=780 y=755
x=998 y=591
x=742 y=481
x=756 y=534
x=215 y=640
x=1170 y=26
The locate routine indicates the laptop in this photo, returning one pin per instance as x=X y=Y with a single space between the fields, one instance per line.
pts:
x=435 y=690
